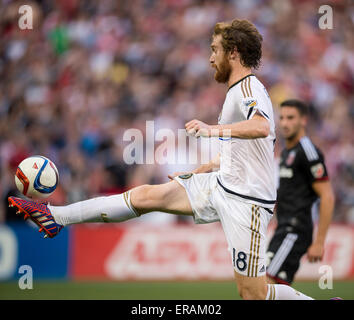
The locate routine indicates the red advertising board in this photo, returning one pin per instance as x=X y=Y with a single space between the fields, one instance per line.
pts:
x=194 y=252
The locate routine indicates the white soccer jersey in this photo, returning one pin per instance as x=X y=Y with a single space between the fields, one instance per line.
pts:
x=247 y=166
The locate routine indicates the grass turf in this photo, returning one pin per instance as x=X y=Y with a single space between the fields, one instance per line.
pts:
x=166 y=290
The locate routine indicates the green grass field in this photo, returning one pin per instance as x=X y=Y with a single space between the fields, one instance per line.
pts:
x=177 y=290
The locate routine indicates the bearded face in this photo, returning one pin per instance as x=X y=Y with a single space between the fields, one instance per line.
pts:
x=219 y=61
x=223 y=71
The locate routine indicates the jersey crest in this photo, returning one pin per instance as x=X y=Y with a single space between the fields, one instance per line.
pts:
x=291 y=157
x=317 y=170
x=251 y=103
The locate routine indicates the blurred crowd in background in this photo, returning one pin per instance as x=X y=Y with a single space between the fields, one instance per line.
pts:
x=89 y=70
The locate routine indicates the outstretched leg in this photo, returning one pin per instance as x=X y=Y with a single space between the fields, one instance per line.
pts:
x=170 y=197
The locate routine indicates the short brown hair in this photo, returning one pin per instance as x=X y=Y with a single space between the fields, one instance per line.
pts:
x=301 y=106
x=243 y=36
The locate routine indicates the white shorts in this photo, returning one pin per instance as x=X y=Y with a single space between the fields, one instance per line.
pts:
x=244 y=224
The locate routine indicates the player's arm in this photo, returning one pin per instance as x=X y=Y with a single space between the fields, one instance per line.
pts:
x=327 y=199
x=208 y=167
x=254 y=128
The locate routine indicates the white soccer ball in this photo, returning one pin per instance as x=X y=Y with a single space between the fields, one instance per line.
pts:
x=36 y=177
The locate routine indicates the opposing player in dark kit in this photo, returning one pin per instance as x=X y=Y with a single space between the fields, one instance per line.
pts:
x=303 y=180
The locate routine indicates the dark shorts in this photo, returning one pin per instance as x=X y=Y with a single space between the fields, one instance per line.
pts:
x=284 y=253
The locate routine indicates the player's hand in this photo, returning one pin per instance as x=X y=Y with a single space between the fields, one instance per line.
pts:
x=176 y=174
x=315 y=252
x=198 y=128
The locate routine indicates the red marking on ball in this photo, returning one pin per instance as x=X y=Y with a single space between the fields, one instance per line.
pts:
x=24 y=180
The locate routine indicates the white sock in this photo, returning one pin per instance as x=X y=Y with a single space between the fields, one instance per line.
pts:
x=284 y=292
x=115 y=208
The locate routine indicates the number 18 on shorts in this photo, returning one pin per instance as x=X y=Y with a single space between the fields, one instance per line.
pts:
x=246 y=236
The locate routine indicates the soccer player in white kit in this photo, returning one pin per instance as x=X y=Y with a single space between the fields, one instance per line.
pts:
x=241 y=193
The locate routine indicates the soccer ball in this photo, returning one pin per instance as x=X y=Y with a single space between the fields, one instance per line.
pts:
x=36 y=177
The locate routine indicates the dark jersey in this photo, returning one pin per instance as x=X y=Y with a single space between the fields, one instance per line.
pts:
x=300 y=166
